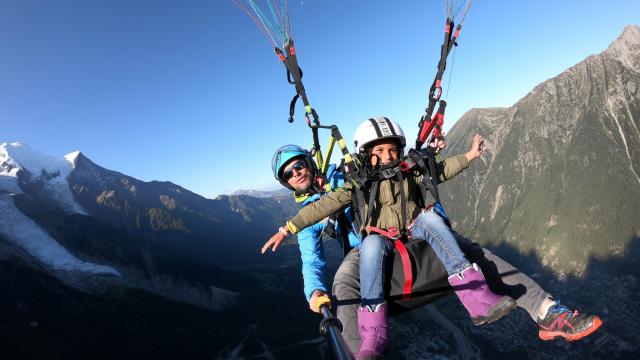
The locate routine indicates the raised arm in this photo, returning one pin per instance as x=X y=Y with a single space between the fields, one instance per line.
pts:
x=454 y=165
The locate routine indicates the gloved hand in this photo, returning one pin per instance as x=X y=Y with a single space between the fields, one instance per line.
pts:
x=319 y=298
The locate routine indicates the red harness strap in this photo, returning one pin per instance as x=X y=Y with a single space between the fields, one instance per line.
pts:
x=393 y=234
x=406 y=267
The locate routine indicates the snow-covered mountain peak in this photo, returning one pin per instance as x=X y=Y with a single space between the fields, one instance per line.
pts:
x=72 y=157
x=34 y=161
x=8 y=171
x=21 y=164
x=24 y=169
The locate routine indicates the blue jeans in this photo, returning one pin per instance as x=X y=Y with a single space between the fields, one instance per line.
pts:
x=374 y=250
x=430 y=227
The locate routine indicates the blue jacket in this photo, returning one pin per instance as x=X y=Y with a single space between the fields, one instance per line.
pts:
x=314 y=265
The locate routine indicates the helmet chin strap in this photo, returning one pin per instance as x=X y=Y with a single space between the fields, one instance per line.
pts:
x=319 y=183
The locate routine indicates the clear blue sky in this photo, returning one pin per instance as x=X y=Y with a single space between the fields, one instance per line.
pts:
x=191 y=92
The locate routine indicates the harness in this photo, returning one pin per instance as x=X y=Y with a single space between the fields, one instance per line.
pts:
x=366 y=183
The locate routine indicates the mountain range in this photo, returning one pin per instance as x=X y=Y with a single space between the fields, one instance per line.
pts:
x=92 y=258
x=97 y=264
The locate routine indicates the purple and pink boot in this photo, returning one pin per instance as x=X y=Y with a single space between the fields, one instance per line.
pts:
x=373 y=332
x=483 y=305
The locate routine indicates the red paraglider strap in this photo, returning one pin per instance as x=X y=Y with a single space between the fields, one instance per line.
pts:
x=406 y=267
x=394 y=234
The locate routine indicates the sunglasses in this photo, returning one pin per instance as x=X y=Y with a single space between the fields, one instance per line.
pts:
x=298 y=165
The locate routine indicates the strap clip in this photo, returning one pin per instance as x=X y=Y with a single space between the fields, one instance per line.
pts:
x=392 y=233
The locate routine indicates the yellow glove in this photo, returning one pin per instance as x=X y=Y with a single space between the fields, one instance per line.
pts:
x=318 y=299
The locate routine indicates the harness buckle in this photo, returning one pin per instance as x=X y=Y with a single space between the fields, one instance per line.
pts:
x=388 y=173
x=407 y=164
x=392 y=233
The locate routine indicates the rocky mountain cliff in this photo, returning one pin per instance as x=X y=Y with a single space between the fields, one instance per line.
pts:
x=561 y=174
x=179 y=219
x=81 y=221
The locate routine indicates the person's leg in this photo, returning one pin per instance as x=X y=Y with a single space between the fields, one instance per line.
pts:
x=430 y=227
x=505 y=279
x=346 y=290
x=374 y=250
x=372 y=314
x=467 y=280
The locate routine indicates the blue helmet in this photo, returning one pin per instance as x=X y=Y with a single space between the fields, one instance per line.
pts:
x=284 y=155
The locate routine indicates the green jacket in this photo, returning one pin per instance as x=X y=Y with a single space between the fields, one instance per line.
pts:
x=388 y=208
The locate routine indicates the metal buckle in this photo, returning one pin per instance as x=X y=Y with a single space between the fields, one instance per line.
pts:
x=393 y=233
x=388 y=173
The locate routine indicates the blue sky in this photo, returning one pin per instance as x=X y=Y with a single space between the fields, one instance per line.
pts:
x=191 y=92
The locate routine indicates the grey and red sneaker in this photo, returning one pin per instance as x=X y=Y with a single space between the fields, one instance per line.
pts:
x=562 y=322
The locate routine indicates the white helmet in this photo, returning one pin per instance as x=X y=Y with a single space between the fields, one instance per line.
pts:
x=376 y=129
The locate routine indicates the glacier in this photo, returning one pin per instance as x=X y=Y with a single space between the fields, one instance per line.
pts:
x=38 y=243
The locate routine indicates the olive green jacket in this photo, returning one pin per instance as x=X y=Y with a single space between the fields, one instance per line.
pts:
x=387 y=207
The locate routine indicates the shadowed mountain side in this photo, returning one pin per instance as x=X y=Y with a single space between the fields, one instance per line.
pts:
x=38 y=313
x=225 y=231
x=560 y=174
x=150 y=260
x=42 y=318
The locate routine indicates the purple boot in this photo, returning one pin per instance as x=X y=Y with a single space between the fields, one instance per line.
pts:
x=373 y=332
x=482 y=304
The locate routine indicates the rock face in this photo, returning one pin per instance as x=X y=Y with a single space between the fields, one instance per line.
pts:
x=176 y=218
x=561 y=173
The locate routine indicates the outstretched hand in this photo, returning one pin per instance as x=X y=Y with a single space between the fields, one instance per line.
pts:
x=273 y=242
x=477 y=148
